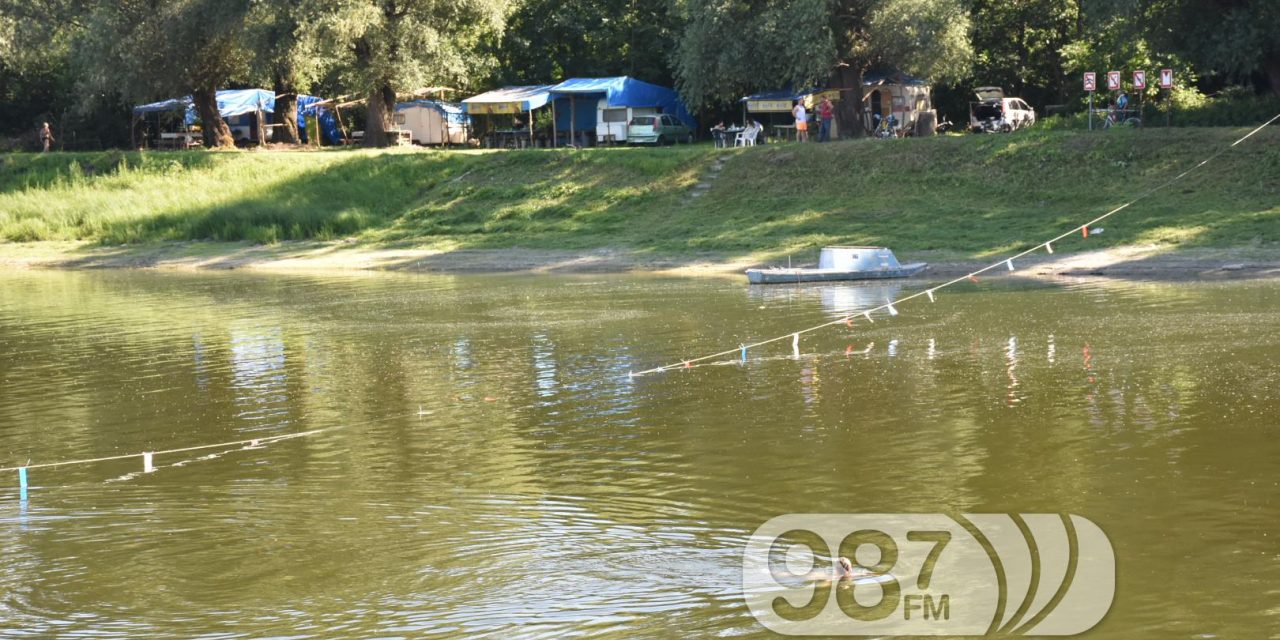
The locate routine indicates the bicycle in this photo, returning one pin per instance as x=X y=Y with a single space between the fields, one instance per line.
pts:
x=1120 y=117
x=885 y=127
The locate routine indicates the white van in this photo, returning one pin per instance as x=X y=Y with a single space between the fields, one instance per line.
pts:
x=994 y=112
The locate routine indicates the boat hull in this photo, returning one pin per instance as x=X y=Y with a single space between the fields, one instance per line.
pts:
x=785 y=276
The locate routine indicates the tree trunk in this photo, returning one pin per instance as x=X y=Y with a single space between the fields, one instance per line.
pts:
x=286 y=113
x=382 y=102
x=849 y=109
x=214 y=128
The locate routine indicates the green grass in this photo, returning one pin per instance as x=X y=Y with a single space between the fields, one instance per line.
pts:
x=965 y=195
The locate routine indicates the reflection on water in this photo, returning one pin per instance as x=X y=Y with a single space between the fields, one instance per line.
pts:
x=497 y=472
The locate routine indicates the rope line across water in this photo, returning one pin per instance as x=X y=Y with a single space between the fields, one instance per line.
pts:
x=263 y=440
x=249 y=441
x=889 y=306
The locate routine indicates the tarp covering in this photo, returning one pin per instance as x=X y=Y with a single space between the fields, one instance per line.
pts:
x=172 y=104
x=451 y=111
x=508 y=100
x=310 y=105
x=231 y=102
x=625 y=91
x=585 y=116
x=238 y=102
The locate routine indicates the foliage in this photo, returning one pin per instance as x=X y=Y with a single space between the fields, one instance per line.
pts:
x=389 y=45
x=550 y=40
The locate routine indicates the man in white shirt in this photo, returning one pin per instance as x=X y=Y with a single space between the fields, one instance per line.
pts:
x=802 y=122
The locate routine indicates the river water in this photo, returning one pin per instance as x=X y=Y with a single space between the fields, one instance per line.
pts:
x=490 y=469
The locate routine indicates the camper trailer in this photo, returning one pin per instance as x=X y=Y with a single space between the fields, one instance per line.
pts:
x=433 y=122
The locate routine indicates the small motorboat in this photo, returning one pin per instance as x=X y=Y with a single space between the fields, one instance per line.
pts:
x=841 y=263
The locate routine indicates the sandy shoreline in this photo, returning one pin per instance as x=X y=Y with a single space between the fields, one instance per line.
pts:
x=1129 y=262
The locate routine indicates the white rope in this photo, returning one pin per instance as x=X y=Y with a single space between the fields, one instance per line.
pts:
x=795 y=335
x=263 y=440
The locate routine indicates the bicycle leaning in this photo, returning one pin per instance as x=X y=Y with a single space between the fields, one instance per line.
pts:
x=885 y=127
x=1121 y=118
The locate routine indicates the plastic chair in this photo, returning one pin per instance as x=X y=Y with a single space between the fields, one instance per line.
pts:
x=746 y=137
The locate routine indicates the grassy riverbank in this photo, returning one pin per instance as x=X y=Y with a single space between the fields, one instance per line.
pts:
x=966 y=196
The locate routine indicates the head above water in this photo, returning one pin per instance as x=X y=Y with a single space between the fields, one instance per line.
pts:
x=846 y=567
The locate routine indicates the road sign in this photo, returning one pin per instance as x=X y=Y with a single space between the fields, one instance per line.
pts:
x=1113 y=81
x=1166 y=78
x=1090 y=81
x=1139 y=80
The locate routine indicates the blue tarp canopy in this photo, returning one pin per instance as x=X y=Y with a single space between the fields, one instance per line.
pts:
x=314 y=106
x=238 y=102
x=622 y=91
x=231 y=103
x=451 y=111
x=508 y=100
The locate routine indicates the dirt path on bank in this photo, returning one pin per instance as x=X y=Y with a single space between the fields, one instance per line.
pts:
x=1131 y=262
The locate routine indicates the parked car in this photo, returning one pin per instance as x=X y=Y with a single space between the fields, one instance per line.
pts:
x=994 y=112
x=657 y=129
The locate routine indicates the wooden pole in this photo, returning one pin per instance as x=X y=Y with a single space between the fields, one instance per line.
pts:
x=555 y=132
x=573 y=122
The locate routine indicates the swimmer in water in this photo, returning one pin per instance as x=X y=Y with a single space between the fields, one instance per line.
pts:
x=842 y=571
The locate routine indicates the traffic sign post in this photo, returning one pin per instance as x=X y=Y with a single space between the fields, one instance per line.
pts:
x=1113 y=81
x=1166 y=78
x=1166 y=85
x=1139 y=87
x=1090 y=85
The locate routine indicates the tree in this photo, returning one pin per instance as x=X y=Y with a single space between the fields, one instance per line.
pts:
x=286 y=48
x=392 y=45
x=549 y=40
x=727 y=46
x=1232 y=38
x=174 y=47
x=1020 y=46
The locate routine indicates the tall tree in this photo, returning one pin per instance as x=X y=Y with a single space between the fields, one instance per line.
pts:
x=174 y=47
x=728 y=45
x=286 y=49
x=549 y=40
x=399 y=45
x=1233 y=38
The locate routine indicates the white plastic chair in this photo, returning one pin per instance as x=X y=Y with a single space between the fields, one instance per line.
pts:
x=746 y=137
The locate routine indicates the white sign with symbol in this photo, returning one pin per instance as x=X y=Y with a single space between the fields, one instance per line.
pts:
x=1166 y=78
x=1113 y=80
x=1139 y=79
x=1090 y=81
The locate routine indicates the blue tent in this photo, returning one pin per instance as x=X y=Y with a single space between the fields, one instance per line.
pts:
x=620 y=91
x=238 y=102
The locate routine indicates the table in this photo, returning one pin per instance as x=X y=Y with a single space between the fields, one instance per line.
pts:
x=180 y=139
x=726 y=137
x=784 y=132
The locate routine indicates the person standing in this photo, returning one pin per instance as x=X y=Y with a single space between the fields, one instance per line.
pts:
x=46 y=137
x=802 y=122
x=825 y=113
